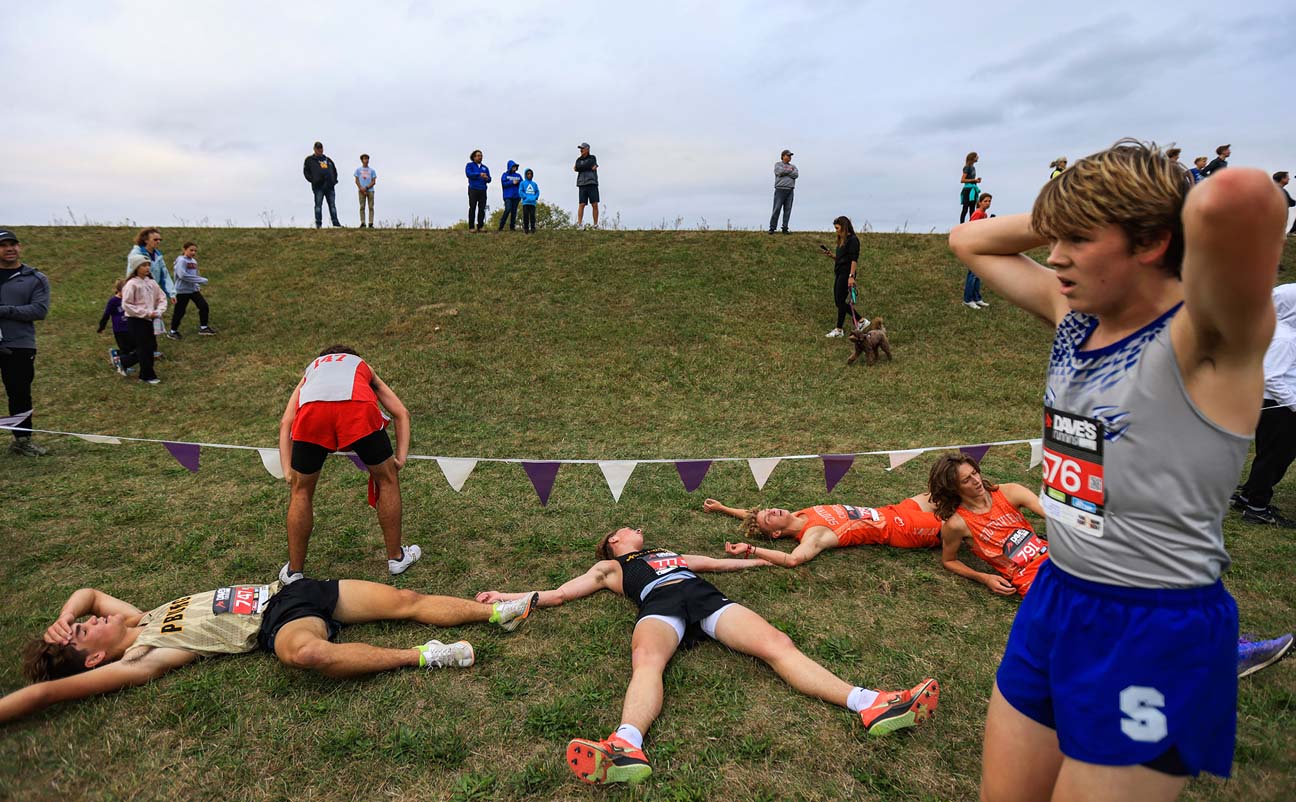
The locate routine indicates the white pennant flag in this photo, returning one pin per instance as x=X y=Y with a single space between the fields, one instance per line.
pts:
x=617 y=473
x=1037 y=453
x=270 y=460
x=899 y=458
x=761 y=468
x=100 y=438
x=12 y=421
x=456 y=470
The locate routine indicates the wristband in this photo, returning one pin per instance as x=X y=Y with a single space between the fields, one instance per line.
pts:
x=750 y=550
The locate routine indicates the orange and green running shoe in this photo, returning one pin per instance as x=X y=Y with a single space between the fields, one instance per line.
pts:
x=611 y=761
x=895 y=710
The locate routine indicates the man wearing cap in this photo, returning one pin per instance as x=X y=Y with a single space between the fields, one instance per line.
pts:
x=322 y=174
x=785 y=176
x=586 y=183
x=1220 y=161
x=24 y=298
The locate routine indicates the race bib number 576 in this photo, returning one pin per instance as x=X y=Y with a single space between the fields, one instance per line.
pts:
x=1073 y=492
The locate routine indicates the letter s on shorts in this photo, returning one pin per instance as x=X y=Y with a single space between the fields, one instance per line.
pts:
x=1143 y=721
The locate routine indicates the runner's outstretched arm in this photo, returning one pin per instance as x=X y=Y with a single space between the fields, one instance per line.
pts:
x=806 y=550
x=102 y=679
x=993 y=250
x=697 y=562
x=711 y=505
x=604 y=574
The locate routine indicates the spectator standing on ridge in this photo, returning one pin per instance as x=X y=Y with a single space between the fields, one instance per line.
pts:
x=971 y=189
x=1219 y=162
x=845 y=263
x=1281 y=178
x=1275 y=437
x=24 y=299
x=322 y=174
x=1057 y=167
x=785 y=176
x=586 y=183
x=478 y=177
x=509 y=183
x=1173 y=154
x=1199 y=164
x=366 y=178
x=530 y=192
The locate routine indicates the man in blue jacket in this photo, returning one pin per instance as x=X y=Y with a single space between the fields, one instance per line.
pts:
x=24 y=299
x=478 y=177
x=322 y=174
x=509 y=182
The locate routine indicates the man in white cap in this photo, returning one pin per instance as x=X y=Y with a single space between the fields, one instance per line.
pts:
x=24 y=299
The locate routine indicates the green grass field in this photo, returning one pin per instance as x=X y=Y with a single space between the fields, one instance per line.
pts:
x=571 y=345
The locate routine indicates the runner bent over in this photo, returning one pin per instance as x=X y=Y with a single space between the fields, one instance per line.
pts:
x=335 y=408
x=676 y=607
x=1119 y=676
x=911 y=524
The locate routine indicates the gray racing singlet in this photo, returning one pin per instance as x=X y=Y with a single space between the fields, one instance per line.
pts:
x=1136 y=479
x=221 y=621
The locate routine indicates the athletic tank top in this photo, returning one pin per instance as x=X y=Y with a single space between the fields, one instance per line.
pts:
x=641 y=571
x=1136 y=479
x=221 y=621
x=337 y=377
x=852 y=525
x=1004 y=539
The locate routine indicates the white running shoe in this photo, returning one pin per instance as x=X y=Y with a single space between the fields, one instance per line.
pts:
x=835 y=333
x=289 y=578
x=862 y=324
x=972 y=305
x=409 y=556
x=435 y=654
x=983 y=304
x=510 y=614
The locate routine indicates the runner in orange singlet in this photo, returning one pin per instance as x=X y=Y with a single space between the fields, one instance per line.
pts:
x=911 y=524
x=989 y=517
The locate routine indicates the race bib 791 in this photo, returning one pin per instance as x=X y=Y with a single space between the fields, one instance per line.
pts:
x=1073 y=492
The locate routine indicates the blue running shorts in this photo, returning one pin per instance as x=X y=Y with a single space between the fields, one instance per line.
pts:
x=1127 y=676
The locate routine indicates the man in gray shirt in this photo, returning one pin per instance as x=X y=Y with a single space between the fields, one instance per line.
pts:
x=24 y=299
x=586 y=183
x=785 y=176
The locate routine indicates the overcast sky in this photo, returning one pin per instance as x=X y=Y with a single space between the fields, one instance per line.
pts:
x=168 y=112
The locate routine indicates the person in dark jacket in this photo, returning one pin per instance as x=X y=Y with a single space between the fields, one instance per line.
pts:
x=478 y=177
x=510 y=182
x=845 y=263
x=24 y=299
x=1219 y=162
x=322 y=174
x=586 y=169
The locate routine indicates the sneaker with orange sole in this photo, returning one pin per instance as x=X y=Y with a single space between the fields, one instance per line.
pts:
x=895 y=710
x=609 y=761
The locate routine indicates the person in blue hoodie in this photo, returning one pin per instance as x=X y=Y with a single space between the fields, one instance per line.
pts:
x=530 y=192
x=478 y=177
x=509 y=183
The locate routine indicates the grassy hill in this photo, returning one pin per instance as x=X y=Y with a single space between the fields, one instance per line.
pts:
x=571 y=345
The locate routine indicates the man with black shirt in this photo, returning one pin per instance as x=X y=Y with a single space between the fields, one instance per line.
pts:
x=322 y=174
x=1220 y=161
x=24 y=299
x=586 y=183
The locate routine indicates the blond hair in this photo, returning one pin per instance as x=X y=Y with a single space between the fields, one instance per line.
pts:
x=1132 y=185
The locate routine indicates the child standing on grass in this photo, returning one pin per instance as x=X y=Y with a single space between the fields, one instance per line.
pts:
x=189 y=288
x=972 y=284
x=143 y=302
x=530 y=192
x=121 y=332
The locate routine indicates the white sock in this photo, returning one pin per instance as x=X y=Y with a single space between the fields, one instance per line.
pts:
x=630 y=734
x=860 y=698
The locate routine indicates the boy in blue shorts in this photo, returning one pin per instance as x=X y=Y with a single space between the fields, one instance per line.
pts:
x=1119 y=678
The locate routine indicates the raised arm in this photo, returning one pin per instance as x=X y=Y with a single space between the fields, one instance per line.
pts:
x=605 y=574
x=399 y=414
x=1233 y=239
x=952 y=534
x=88 y=601
x=994 y=249
x=711 y=505
x=103 y=679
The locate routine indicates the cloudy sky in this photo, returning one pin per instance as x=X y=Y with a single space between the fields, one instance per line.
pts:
x=162 y=113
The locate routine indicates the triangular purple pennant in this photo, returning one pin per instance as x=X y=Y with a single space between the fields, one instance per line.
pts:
x=356 y=461
x=975 y=452
x=542 y=475
x=185 y=453
x=835 y=467
x=692 y=471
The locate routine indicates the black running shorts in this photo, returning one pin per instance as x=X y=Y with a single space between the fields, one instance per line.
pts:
x=305 y=598
x=691 y=600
